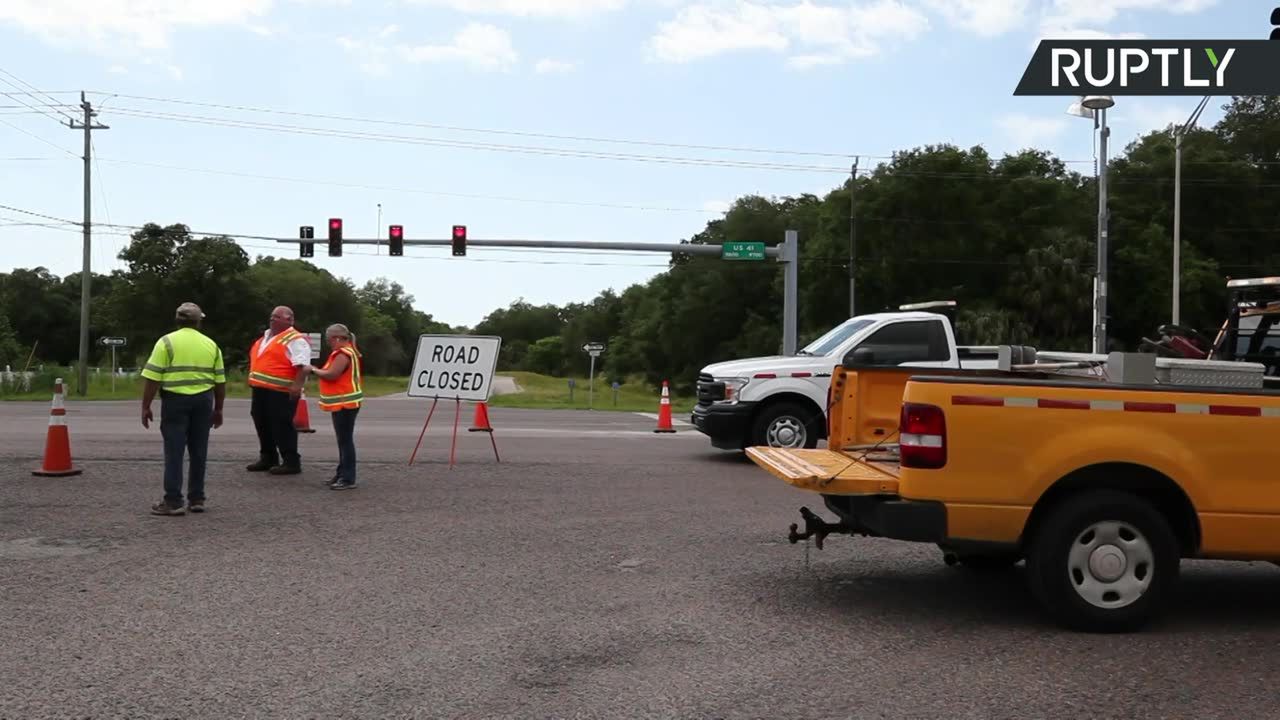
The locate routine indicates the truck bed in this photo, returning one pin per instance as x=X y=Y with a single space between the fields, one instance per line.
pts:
x=830 y=472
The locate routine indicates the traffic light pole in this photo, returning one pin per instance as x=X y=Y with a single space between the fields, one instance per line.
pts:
x=787 y=253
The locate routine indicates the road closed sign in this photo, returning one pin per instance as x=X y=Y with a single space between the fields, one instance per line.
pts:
x=454 y=367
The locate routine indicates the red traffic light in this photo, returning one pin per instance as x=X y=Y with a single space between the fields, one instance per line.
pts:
x=335 y=223
x=397 y=231
x=459 y=240
x=460 y=231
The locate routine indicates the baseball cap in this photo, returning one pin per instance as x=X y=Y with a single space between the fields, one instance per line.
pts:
x=189 y=311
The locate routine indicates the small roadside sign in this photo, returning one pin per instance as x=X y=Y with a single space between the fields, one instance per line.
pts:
x=316 y=340
x=113 y=341
x=742 y=251
x=454 y=367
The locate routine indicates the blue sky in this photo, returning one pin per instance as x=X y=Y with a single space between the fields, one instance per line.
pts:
x=820 y=76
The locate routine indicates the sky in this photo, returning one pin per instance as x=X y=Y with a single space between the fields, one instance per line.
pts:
x=534 y=119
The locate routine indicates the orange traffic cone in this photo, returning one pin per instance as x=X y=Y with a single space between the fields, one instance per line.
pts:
x=481 y=422
x=664 y=412
x=57 y=444
x=301 y=420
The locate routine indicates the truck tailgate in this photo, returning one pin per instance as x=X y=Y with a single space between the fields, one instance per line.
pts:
x=827 y=471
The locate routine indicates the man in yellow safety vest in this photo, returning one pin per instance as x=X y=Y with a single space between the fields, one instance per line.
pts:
x=186 y=369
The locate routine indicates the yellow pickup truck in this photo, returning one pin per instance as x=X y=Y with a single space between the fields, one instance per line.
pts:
x=1102 y=480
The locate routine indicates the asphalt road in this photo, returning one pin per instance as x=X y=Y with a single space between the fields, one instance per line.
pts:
x=598 y=571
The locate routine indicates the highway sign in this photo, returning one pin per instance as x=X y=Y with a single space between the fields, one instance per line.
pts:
x=742 y=251
x=113 y=341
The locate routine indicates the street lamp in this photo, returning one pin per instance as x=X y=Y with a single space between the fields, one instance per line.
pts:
x=1177 y=207
x=1095 y=107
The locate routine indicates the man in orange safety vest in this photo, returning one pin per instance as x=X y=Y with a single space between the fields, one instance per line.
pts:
x=279 y=362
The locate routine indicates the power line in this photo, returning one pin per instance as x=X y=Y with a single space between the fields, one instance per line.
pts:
x=50 y=143
x=462 y=144
x=490 y=131
x=39 y=215
x=385 y=188
x=38 y=92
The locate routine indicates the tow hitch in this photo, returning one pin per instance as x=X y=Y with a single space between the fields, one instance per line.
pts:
x=816 y=528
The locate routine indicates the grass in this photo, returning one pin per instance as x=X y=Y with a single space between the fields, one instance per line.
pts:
x=537 y=391
x=100 y=387
x=552 y=393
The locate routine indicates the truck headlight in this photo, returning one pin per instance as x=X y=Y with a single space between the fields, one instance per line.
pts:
x=732 y=388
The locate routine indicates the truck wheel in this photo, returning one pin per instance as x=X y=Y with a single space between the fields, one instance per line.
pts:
x=785 y=425
x=1103 y=561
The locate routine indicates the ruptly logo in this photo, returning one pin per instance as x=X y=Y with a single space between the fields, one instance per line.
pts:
x=1152 y=67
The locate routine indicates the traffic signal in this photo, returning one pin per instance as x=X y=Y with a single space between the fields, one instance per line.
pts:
x=1275 y=20
x=459 y=240
x=397 y=239
x=335 y=237
x=307 y=249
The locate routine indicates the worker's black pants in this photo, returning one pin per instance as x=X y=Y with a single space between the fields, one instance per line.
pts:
x=272 y=412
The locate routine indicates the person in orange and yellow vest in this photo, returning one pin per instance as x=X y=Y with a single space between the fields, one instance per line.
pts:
x=341 y=393
x=278 y=365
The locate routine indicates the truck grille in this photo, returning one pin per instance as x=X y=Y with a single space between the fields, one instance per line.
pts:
x=708 y=390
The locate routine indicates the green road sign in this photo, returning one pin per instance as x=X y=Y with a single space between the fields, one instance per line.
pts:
x=742 y=251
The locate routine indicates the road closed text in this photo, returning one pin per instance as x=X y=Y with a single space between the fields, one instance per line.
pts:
x=460 y=371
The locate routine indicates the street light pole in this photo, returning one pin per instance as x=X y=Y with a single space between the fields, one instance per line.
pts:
x=1100 y=341
x=1095 y=107
x=1180 y=133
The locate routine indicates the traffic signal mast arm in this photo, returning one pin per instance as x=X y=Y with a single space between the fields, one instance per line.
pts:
x=774 y=251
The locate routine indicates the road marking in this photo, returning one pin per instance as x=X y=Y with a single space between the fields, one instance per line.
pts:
x=654 y=417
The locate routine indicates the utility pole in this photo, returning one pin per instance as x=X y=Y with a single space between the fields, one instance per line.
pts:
x=88 y=125
x=853 y=236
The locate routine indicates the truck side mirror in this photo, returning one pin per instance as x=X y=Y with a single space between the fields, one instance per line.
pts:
x=860 y=357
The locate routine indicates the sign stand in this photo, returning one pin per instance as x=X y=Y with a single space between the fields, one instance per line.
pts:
x=446 y=364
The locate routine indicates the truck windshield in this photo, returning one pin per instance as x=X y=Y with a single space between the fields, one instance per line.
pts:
x=836 y=337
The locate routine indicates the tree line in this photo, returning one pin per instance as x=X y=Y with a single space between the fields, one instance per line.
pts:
x=1011 y=239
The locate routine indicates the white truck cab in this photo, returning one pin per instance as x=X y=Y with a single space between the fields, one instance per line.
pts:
x=780 y=400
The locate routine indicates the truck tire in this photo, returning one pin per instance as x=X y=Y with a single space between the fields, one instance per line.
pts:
x=785 y=425
x=1103 y=561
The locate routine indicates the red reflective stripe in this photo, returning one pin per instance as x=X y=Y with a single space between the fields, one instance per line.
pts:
x=765 y=376
x=977 y=400
x=801 y=374
x=1063 y=404
x=1237 y=410
x=1131 y=406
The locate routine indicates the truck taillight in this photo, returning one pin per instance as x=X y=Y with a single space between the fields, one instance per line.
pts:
x=922 y=439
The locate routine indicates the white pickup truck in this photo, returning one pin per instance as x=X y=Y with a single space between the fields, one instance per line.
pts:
x=780 y=400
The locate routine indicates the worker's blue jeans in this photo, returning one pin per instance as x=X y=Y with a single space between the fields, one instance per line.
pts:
x=185 y=421
x=344 y=427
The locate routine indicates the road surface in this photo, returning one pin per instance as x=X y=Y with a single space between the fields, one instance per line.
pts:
x=600 y=570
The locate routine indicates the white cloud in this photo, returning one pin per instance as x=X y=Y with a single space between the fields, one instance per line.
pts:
x=1031 y=131
x=481 y=46
x=146 y=24
x=823 y=34
x=1079 y=13
x=987 y=18
x=1144 y=116
x=1087 y=19
x=716 y=206
x=547 y=65
x=529 y=8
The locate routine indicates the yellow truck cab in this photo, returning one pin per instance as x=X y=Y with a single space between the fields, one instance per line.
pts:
x=1102 y=472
